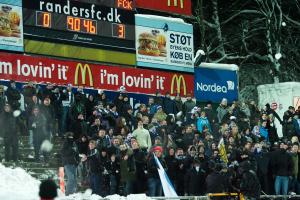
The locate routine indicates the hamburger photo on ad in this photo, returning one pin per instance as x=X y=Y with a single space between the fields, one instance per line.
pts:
x=9 y=22
x=152 y=44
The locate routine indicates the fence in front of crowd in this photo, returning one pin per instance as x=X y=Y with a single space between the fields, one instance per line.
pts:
x=225 y=196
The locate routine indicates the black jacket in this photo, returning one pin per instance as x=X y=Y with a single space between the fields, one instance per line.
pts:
x=70 y=155
x=152 y=167
x=215 y=183
x=94 y=162
x=281 y=163
x=173 y=166
x=250 y=185
x=13 y=97
x=194 y=182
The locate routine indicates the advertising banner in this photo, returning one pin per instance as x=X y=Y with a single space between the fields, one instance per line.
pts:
x=183 y=7
x=215 y=84
x=164 y=43
x=11 y=25
x=31 y=68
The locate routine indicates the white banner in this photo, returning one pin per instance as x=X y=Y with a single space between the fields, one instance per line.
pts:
x=167 y=186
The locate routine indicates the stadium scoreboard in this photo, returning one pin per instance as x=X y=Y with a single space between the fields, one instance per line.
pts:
x=95 y=22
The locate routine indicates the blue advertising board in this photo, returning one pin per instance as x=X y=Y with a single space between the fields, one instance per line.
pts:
x=215 y=84
x=164 y=43
x=11 y=25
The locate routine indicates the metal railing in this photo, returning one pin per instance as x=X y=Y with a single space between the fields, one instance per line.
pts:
x=236 y=195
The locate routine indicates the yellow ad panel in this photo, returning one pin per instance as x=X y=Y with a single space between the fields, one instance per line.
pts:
x=84 y=53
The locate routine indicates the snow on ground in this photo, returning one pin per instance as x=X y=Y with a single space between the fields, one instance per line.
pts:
x=17 y=184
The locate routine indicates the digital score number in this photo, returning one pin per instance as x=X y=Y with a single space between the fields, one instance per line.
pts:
x=81 y=25
x=118 y=30
x=43 y=19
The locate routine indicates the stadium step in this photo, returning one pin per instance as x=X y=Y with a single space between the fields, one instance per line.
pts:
x=38 y=170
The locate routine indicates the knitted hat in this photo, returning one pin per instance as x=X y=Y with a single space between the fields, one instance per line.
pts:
x=48 y=189
x=157 y=148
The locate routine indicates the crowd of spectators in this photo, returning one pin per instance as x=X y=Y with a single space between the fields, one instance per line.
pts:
x=109 y=146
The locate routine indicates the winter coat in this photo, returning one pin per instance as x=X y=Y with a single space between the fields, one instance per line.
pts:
x=250 y=185
x=221 y=112
x=13 y=97
x=102 y=142
x=79 y=128
x=127 y=167
x=188 y=106
x=28 y=92
x=83 y=147
x=38 y=126
x=9 y=125
x=281 y=163
x=201 y=122
x=215 y=183
x=179 y=106
x=125 y=107
x=194 y=182
x=152 y=167
x=173 y=165
x=264 y=133
x=94 y=163
x=69 y=152
x=263 y=163
x=169 y=106
x=48 y=112
x=140 y=163
x=2 y=101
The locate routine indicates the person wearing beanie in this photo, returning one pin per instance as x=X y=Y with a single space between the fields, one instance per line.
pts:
x=48 y=190
x=154 y=183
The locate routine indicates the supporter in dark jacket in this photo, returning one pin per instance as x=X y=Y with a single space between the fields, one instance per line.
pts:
x=102 y=140
x=70 y=159
x=2 y=99
x=128 y=169
x=215 y=182
x=118 y=101
x=154 y=184
x=249 y=186
x=125 y=106
x=48 y=111
x=263 y=163
x=181 y=171
x=83 y=144
x=13 y=96
x=169 y=105
x=188 y=105
x=9 y=130
x=282 y=169
x=90 y=106
x=113 y=168
x=37 y=126
x=79 y=127
x=194 y=181
x=95 y=128
x=95 y=168
x=172 y=164
x=28 y=91
x=140 y=163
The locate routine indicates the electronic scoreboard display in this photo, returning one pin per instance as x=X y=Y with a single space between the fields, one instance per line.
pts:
x=95 y=22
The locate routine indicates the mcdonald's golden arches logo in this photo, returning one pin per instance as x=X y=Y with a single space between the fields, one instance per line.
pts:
x=179 y=81
x=83 y=69
x=175 y=3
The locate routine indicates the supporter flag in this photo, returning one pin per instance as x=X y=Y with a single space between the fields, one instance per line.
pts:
x=222 y=151
x=167 y=186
